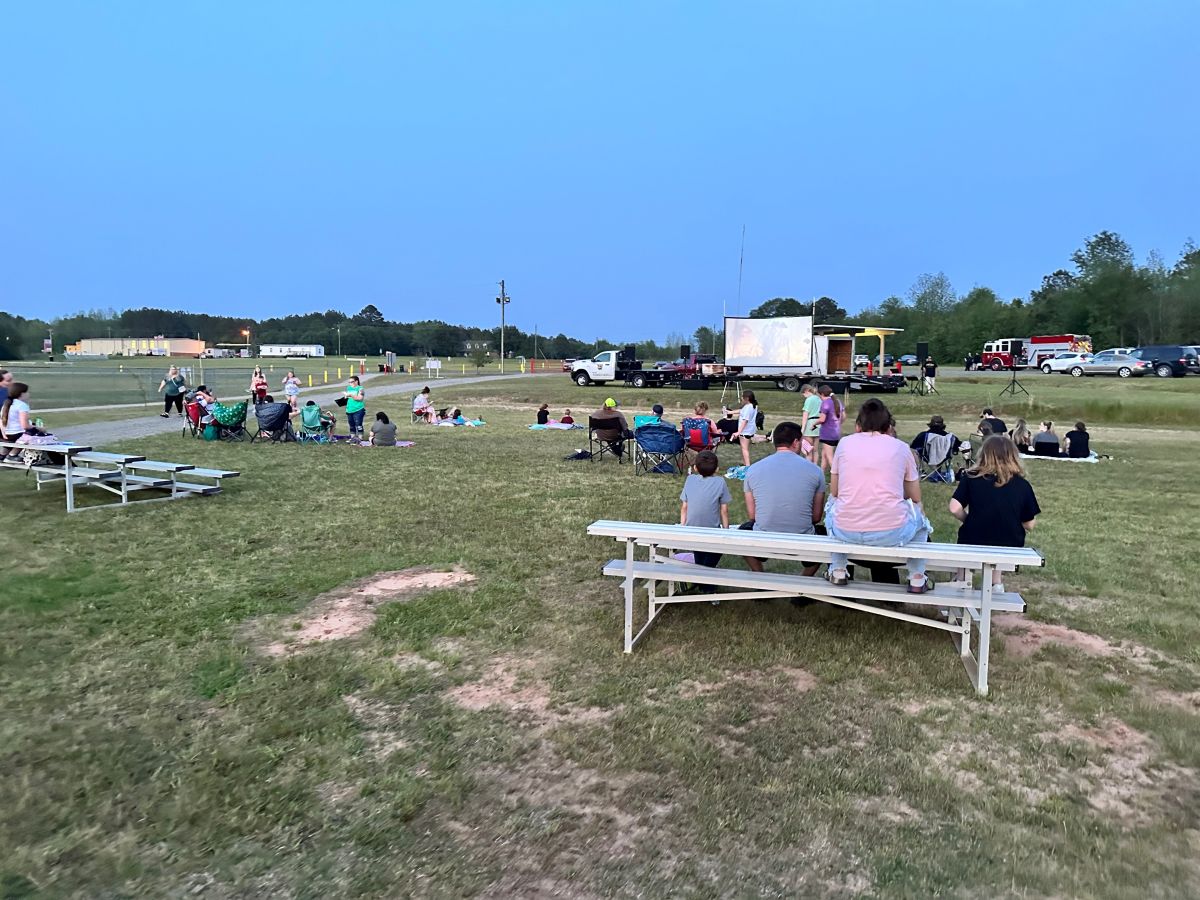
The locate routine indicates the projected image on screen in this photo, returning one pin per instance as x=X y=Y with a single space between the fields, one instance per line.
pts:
x=786 y=341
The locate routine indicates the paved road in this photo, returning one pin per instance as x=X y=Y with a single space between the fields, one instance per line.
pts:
x=101 y=433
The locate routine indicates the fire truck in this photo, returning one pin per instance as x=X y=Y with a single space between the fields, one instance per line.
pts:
x=1035 y=350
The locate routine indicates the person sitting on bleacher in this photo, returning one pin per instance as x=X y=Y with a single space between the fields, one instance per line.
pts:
x=875 y=496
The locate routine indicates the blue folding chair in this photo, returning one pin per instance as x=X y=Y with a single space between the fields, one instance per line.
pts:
x=656 y=448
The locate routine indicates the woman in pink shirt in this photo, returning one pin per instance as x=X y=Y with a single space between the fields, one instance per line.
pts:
x=875 y=495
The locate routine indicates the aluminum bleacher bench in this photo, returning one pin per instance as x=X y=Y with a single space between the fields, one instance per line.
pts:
x=964 y=605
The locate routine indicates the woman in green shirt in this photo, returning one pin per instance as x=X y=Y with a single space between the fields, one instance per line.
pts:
x=355 y=407
x=175 y=386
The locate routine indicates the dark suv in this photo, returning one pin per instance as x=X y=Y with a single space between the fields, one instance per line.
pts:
x=1167 y=360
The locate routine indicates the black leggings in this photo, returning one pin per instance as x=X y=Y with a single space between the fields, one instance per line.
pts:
x=175 y=400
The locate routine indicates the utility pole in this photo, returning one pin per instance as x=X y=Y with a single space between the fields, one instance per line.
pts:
x=339 y=331
x=503 y=300
x=51 y=330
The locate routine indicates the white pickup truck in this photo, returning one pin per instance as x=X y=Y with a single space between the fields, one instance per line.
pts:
x=600 y=369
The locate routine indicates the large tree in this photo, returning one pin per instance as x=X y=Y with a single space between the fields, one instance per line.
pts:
x=779 y=306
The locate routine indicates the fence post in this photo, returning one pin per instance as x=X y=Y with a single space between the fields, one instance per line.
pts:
x=326 y=374
x=310 y=381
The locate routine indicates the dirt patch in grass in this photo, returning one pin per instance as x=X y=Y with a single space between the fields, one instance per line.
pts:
x=1119 y=776
x=351 y=609
x=513 y=685
x=379 y=722
x=797 y=679
x=1024 y=637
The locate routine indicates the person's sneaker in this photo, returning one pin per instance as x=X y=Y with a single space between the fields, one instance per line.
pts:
x=165 y=415
x=840 y=577
x=923 y=588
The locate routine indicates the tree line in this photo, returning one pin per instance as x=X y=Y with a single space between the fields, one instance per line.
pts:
x=1105 y=293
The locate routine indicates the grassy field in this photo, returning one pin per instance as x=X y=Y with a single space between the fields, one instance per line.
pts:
x=489 y=738
x=103 y=382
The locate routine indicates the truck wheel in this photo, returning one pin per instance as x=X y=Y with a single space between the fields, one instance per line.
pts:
x=997 y=365
x=582 y=379
x=1076 y=371
x=1163 y=371
x=1046 y=369
x=791 y=384
x=639 y=381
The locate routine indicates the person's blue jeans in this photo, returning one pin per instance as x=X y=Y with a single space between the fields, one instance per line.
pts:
x=915 y=530
x=355 y=420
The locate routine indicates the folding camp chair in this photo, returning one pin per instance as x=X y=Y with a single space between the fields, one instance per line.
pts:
x=230 y=420
x=697 y=434
x=274 y=423
x=314 y=428
x=598 y=446
x=935 y=457
x=193 y=413
x=656 y=448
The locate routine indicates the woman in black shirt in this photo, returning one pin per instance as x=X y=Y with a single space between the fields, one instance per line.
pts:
x=1078 y=442
x=994 y=502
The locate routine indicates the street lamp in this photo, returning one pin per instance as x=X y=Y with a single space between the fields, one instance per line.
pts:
x=503 y=300
x=246 y=335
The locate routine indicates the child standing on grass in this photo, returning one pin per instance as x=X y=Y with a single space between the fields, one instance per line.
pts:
x=747 y=425
x=704 y=501
x=994 y=502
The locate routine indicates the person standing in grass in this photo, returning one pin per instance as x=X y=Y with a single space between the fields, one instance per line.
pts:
x=291 y=389
x=810 y=422
x=747 y=425
x=174 y=387
x=355 y=407
x=830 y=420
x=994 y=502
x=258 y=385
x=6 y=380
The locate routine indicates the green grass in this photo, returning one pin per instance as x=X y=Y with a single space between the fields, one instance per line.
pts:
x=150 y=748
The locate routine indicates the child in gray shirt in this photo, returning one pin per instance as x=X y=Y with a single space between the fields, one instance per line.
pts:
x=704 y=501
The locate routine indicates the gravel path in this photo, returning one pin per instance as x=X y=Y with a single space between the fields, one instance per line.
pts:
x=101 y=433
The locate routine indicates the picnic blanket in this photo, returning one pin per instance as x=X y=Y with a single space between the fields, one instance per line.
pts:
x=554 y=426
x=1090 y=458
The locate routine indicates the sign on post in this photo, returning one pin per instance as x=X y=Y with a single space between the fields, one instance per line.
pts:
x=433 y=368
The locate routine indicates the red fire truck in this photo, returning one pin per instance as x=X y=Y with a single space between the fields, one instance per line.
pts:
x=998 y=354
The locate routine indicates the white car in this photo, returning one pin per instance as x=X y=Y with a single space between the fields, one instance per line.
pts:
x=1065 y=362
x=861 y=359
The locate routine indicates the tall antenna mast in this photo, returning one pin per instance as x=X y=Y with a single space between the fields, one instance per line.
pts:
x=741 y=260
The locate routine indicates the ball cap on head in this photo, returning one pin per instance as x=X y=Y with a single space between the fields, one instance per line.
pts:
x=937 y=422
x=610 y=403
x=657 y=409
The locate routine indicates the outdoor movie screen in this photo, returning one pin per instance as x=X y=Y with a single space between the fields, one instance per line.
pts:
x=783 y=341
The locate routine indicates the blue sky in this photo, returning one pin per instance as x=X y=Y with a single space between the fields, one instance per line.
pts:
x=266 y=158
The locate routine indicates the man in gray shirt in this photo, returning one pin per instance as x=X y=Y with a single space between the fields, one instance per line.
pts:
x=784 y=492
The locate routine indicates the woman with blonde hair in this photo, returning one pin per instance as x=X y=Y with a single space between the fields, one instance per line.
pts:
x=1021 y=437
x=994 y=502
x=175 y=386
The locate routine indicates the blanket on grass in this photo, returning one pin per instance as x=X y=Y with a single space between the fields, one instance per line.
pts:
x=554 y=426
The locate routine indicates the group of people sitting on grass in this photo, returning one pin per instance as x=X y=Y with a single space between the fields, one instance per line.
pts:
x=423 y=410
x=873 y=496
x=1076 y=444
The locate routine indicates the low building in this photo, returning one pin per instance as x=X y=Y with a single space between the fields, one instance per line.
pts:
x=155 y=346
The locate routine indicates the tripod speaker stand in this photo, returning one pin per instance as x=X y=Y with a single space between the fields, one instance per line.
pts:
x=1013 y=387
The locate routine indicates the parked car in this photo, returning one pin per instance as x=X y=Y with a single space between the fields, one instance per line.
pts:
x=1195 y=348
x=1167 y=360
x=1125 y=350
x=860 y=360
x=909 y=359
x=661 y=364
x=568 y=364
x=1066 y=362
x=1108 y=362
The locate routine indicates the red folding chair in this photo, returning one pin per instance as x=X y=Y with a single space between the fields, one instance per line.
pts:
x=191 y=423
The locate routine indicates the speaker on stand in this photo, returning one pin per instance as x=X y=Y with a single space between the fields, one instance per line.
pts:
x=1016 y=351
x=920 y=386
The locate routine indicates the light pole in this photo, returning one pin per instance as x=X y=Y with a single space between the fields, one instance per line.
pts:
x=503 y=300
x=246 y=335
x=339 y=331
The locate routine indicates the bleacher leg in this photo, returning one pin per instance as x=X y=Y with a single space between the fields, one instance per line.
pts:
x=629 y=595
x=985 y=629
x=70 y=484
